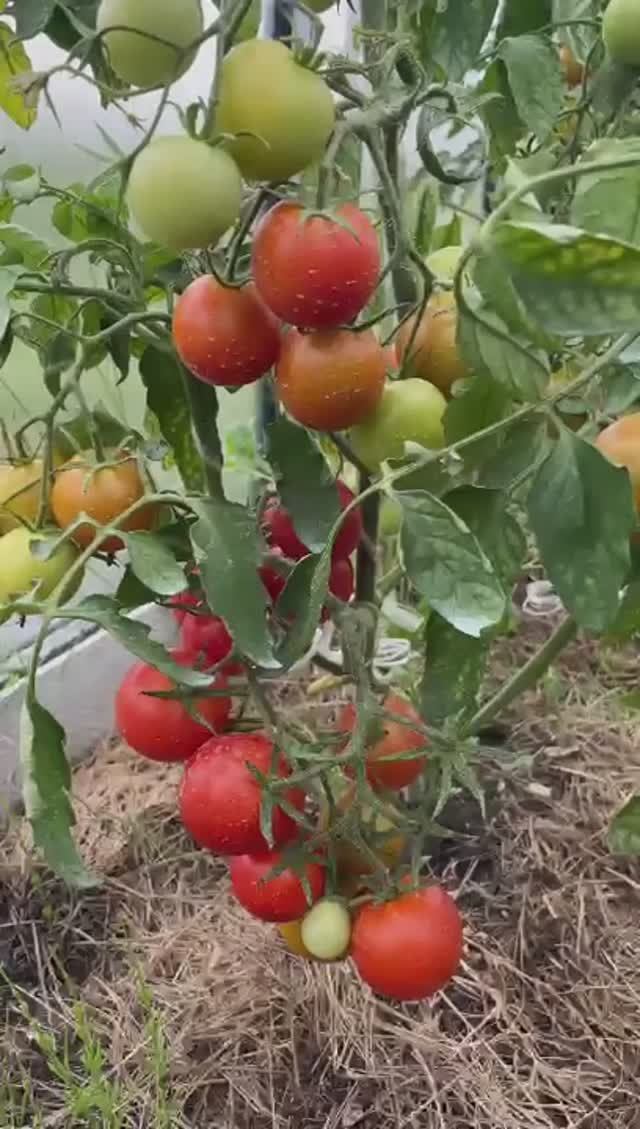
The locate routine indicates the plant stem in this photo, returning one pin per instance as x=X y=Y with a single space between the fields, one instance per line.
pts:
x=366 y=560
x=526 y=677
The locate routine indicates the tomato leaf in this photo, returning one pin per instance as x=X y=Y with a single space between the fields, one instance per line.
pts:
x=521 y=449
x=571 y=281
x=607 y=202
x=624 y=832
x=458 y=33
x=32 y=16
x=579 y=36
x=132 y=593
x=46 y=785
x=484 y=512
x=454 y=665
x=228 y=548
x=305 y=483
x=135 y=636
x=536 y=80
x=582 y=513
x=8 y=278
x=521 y=16
x=483 y=401
x=447 y=565
x=154 y=564
x=14 y=63
x=22 y=246
x=500 y=113
x=167 y=399
x=489 y=347
x=432 y=136
x=302 y=598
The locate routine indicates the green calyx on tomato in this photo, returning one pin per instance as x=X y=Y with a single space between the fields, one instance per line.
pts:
x=279 y=113
x=410 y=411
x=25 y=571
x=621 y=32
x=152 y=53
x=183 y=193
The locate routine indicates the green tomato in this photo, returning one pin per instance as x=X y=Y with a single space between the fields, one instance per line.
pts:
x=621 y=31
x=326 y=930
x=183 y=193
x=444 y=263
x=391 y=514
x=284 y=112
x=410 y=411
x=22 y=573
x=146 y=62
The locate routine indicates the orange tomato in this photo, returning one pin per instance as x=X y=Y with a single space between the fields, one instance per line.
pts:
x=332 y=379
x=620 y=443
x=102 y=495
x=434 y=353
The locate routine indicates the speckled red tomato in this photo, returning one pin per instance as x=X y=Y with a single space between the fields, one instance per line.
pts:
x=410 y=947
x=225 y=335
x=312 y=271
x=206 y=638
x=331 y=379
x=280 y=898
x=281 y=533
x=220 y=798
x=160 y=728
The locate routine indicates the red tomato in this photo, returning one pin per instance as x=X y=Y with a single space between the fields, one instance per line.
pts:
x=280 y=898
x=341 y=583
x=410 y=947
x=220 y=798
x=181 y=604
x=223 y=334
x=160 y=728
x=396 y=738
x=273 y=581
x=280 y=532
x=206 y=637
x=331 y=379
x=312 y=271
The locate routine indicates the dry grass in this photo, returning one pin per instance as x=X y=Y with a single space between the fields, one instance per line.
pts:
x=204 y=1021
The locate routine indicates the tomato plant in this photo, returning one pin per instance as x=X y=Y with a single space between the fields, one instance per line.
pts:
x=314 y=271
x=332 y=379
x=165 y=729
x=438 y=345
x=273 y=891
x=410 y=946
x=220 y=797
x=103 y=494
x=153 y=51
x=225 y=335
x=398 y=734
x=280 y=113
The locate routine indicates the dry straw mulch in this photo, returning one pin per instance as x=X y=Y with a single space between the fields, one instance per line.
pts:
x=540 y=1030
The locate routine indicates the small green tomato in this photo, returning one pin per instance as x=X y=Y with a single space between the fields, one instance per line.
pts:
x=326 y=930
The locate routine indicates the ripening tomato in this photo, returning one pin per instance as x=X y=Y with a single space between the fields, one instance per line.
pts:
x=225 y=335
x=103 y=495
x=410 y=947
x=620 y=443
x=434 y=354
x=379 y=829
x=182 y=604
x=139 y=59
x=23 y=573
x=220 y=798
x=326 y=930
x=162 y=729
x=395 y=738
x=183 y=193
x=19 y=493
x=572 y=67
x=206 y=637
x=280 y=113
x=280 y=532
x=291 y=933
x=279 y=898
x=410 y=411
x=331 y=379
x=621 y=32
x=314 y=271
